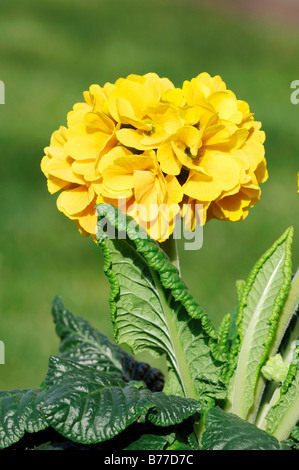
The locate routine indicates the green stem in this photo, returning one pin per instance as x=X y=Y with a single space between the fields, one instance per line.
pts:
x=181 y=365
x=170 y=248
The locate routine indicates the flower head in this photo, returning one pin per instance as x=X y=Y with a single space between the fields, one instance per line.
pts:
x=158 y=149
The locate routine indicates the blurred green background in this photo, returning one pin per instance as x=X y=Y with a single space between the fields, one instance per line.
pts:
x=50 y=52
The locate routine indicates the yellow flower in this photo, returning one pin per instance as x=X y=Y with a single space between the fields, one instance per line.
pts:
x=163 y=152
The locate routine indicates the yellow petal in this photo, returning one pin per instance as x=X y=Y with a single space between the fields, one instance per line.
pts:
x=174 y=96
x=118 y=166
x=186 y=160
x=56 y=152
x=76 y=116
x=261 y=172
x=86 y=168
x=224 y=174
x=194 y=212
x=233 y=208
x=225 y=104
x=98 y=97
x=144 y=188
x=88 y=220
x=174 y=190
x=55 y=184
x=99 y=122
x=59 y=137
x=168 y=160
x=83 y=145
x=63 y=170
x=74 y=201
x=131 y=138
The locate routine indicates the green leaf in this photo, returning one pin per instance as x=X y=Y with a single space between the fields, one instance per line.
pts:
x=87 y=406
x=226 y=431
x=223 y=335
x=262 y=299
x=82 y=343
x=295 y=433
x=284 y=415
x=285 y=330
x=62 y=445
x=19 y=414
x=151 y=442
x=153 y=310
x=177 y=445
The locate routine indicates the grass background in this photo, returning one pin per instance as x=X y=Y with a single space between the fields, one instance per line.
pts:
x=50 y=52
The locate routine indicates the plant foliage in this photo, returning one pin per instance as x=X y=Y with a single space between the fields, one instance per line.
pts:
x=221 y=390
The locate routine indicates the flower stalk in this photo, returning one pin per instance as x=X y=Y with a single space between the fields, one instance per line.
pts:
x=171 y=249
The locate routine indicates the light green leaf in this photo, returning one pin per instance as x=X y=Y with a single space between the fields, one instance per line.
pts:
x=262 y=299
x=87 y=406
x=19 y=414
x=285 y=331
x=275 y=369
x=284 y=415
x=153 y=310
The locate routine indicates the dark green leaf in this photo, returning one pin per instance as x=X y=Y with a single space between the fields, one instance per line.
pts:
x=19 y=414
x=151 y=442
x=89 y=406
x=226 y=431
x=82 y=343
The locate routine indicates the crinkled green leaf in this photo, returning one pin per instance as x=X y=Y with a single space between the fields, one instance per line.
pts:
x=153 y=310
x=226 y=431
x=19 y=414
x=89 y=406
x=223 y=335
x=289 y=445
x=82 y=343
x=262 y=300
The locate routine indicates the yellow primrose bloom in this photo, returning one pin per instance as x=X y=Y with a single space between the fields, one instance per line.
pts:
x=164 y=152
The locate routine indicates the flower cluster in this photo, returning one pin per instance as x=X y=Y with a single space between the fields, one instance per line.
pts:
x=150 y=145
